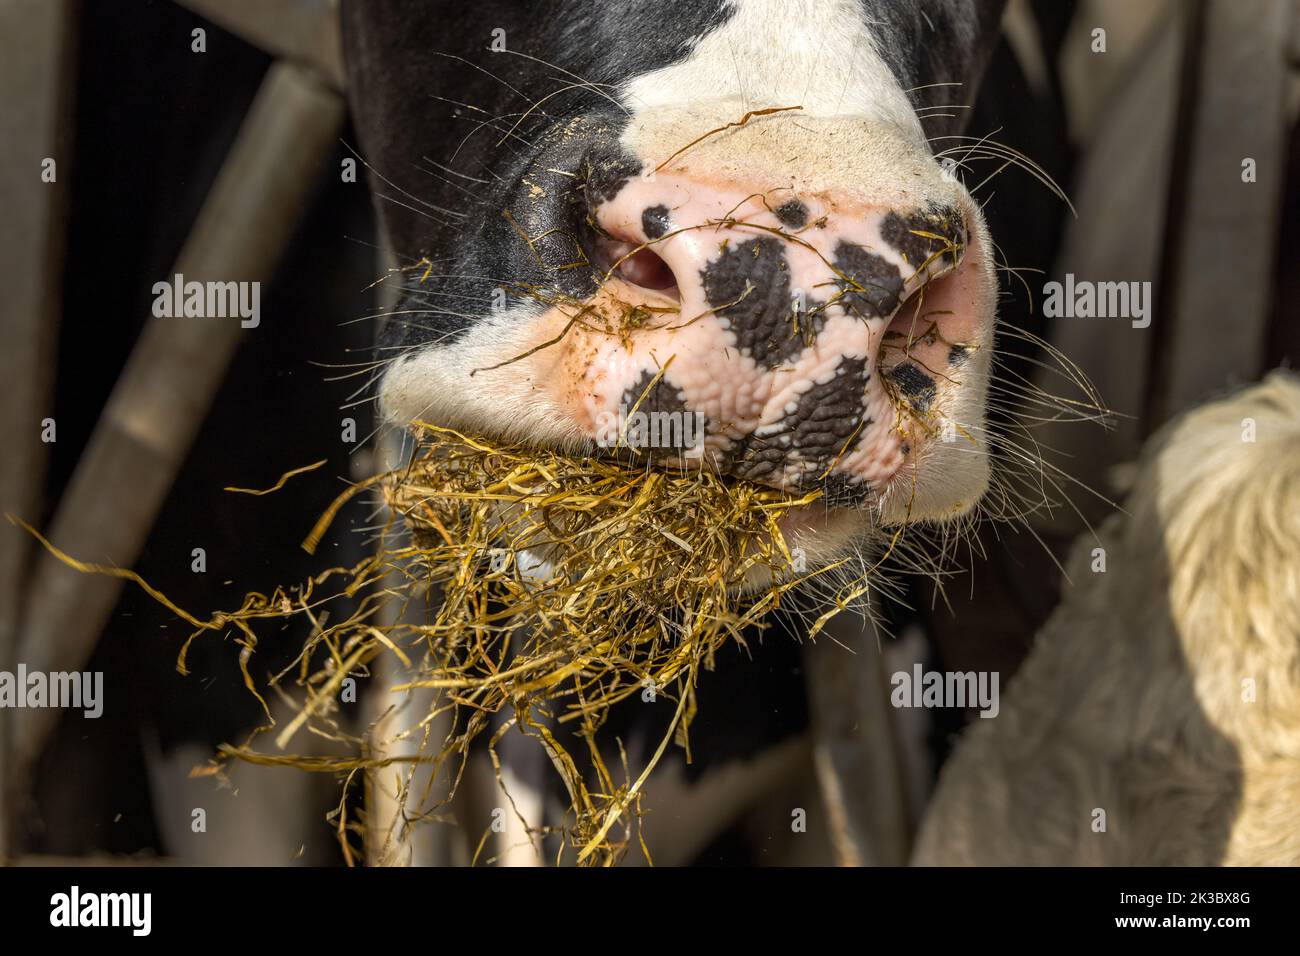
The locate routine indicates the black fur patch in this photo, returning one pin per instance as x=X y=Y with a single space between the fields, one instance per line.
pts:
x=749 y=286
x=874 y=283
x=819 y=429
x=914 y=385
x=458 y=174
x=957 y=355
x=929 y=44
x=655 y=222
x=792 y=214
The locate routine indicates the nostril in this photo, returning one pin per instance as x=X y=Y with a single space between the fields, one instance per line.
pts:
x=646 y=269
x=637 y=264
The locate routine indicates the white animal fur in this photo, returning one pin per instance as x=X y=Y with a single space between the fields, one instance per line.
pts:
x=818 y=54
x=1134 y=699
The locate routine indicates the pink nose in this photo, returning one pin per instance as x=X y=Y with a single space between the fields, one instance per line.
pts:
x=775 y=332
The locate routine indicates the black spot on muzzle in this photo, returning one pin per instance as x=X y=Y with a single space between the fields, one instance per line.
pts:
x=914 y=385
x=870 y=285
x=606 y=173
x=663 y=396
x=655 y=222
x=827 y=422
x=792 y=214
x=749 y=287
x=936 y=234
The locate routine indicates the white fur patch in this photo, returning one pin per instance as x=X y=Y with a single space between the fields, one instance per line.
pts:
x=818 y=54
x=457 y=385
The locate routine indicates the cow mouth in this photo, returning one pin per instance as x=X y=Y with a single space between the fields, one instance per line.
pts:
x=849 y=409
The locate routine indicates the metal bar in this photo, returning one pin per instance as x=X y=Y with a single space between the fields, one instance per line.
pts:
x=855 y=751
x=36 y=74
x=306 y=31
x=170 y=380
x=390 y=839
x=1120 y=194
x=1222 y=232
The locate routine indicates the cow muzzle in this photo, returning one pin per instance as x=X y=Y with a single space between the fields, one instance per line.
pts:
x=796 y=340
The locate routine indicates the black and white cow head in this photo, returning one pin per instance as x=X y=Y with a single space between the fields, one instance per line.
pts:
x=726 y=211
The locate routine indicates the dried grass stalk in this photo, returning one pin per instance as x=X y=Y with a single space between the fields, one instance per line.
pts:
x=531 y=584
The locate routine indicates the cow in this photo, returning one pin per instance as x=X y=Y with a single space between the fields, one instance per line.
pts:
x=740 y=211
x=1156 y=721
x=730 y=210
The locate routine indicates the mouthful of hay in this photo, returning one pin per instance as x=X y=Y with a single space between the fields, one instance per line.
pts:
x=556 y=587
x=523 y=589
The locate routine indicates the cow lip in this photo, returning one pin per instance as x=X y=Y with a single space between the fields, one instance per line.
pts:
x=805 y=519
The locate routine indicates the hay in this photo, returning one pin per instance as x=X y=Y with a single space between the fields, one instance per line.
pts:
x=569 y=585
x=526 y=583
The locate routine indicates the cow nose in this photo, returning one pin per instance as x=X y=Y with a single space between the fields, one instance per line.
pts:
x=783 y=318
x=638 y=264
x=662 y=233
